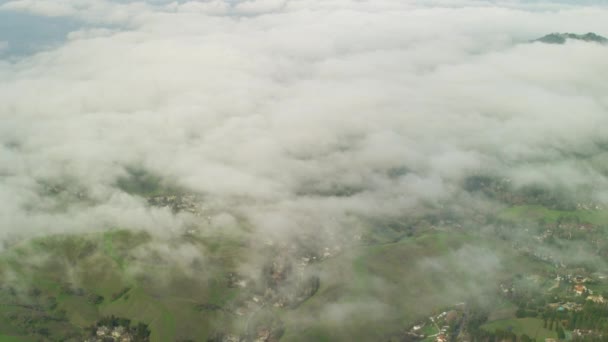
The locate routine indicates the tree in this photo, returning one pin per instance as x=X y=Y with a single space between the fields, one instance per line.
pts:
x=560 y=332
x=94 y=298
x=44 y=331
x=573 y=321
x=520 y=313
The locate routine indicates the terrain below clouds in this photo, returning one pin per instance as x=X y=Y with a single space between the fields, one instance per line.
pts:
x=288 y=169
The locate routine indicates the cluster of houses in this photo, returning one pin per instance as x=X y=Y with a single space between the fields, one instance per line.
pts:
x=566 y=306
x=589 y=206
x=580 y=289
x=188 y=203
x=582 y=334
x=264 y=334
x=441 y=324
x=115 y=334
x=231 y=338
x=598 y=299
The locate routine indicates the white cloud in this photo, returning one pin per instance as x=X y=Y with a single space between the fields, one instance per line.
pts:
x=269 y=107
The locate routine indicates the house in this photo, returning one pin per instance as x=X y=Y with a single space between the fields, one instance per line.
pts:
x=263 y=335
x=103 y=331
x=570 y=306
x=441 y=338
x=598 y=299
x=579 y=289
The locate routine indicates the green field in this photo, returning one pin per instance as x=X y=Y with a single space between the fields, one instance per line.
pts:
x=368 y=292
x=537 y=212
x=66 y=283
x=533 y=327
x=385 y=288
x=7 y=338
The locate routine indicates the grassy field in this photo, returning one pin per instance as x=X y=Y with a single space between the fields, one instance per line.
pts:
x=66 y=283
x=366 y=293
x=385 y=288
x=7 y=338
x=533 y=327
x=374 y=290
x=503 y=310
x=537 y=212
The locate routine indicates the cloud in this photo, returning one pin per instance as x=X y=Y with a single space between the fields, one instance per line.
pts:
x=296 y=115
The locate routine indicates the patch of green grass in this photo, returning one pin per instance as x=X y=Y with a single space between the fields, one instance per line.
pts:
x=79 y=311
x=385 y=288
x=429 y=329
x=598 y=288
x=8 y=338
x=141 y=307
x=533 y=327
x=503 y=310
x=366 y=292
x=108 y=246
x=375 y=290
x=538 y=212
x=57 y=266
x=117 y=244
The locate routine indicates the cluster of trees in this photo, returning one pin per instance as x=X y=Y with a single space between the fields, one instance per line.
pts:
x=555 y=324
x=592 y=317
x=530 y=299
x=500 y=335
x=476 y=317
x=120 y=293
x=521 y=313
x=92 y=298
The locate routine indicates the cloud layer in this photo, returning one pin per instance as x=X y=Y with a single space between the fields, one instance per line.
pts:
x=297 y=114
